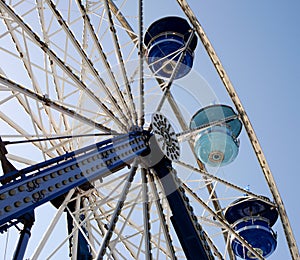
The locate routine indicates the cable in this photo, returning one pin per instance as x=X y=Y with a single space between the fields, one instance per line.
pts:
x=6 y=244
x=58 y=137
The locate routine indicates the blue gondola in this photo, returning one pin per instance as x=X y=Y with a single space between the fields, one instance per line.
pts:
x=216 y=145
x=252 y=219
x=165 y=39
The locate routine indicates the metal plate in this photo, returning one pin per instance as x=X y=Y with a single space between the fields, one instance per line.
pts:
x=165 y=136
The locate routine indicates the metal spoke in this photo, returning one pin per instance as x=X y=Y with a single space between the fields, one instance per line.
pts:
x=44 y=47
x=79 y=226
x=44 y=99
x=27 y=65
x=108 y=67
x=36 y=120
x=229 y=184
x=86 y=60
x=166 y=88
x=43 y=241
x=126 y=222
x=128 y=245
x=117 y=212
x=99 y=224
x=141 y=66
x=55 y=77
x=117 y=49
x=21 y=130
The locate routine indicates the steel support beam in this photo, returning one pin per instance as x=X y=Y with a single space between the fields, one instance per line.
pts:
x=191 y=241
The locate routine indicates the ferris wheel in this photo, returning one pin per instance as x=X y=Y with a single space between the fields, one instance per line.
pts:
x=114 y=147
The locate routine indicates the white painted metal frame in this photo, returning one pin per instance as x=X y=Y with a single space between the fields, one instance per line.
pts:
x=117 y=110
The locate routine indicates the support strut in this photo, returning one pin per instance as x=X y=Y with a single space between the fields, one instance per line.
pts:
x=193 y=244
x=28 y=220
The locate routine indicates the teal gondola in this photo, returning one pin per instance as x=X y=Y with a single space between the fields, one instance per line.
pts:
x=217 y=144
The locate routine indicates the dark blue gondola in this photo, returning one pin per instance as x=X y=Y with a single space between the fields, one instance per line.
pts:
x=165 y=40
x=252 y=219
x=216 y=145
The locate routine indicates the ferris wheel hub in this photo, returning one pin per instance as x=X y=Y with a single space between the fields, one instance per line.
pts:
x=165 y=136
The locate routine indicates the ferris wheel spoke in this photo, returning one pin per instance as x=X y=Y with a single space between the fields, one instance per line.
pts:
x=35 y=119
x=85 y=59
x=121 y=18
x=54 y=72
x=130 y=247
x=44 y=47
x=37 y=124
x=162 y=218
x=139 y=230
x=116 y=213
x=138 y=39
x=119 y=58
x=141 y=65
x=24 y=54
x=20 y=159
x=106 y=63
x=44 y=99
x=128 y=221
x=226 y=183
x=166 y=88
x=20 y=130
x=175 y=109
x=28 y=107
x=51 y=226
x=134 y=38
x=78 y=228
x=120 y=237
x=99 y=224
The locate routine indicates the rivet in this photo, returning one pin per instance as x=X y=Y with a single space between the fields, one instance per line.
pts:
x=27 y=199
x=8 y=208
x=17 y=204
x=12 y=192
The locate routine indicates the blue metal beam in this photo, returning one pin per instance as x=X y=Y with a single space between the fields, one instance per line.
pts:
x=28 y=220
x=193 y=246
x=43 y=182
x=38 y=184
